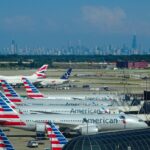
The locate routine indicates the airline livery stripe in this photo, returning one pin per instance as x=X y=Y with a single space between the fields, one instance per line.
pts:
x=49 y=129
x=57 y=148
x=8 y=94
x=5 y=123
x=9 y=116
x=6 y=90
x=3 y=85
x=15 y=100
x=54 y=135
x=2 y=145
x=36 y=96
x=55 y=142
x=31 y=92
x=27 y=87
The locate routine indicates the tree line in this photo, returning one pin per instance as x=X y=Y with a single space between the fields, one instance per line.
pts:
x=35 y=61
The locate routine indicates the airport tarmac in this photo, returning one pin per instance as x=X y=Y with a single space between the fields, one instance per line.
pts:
x=99 y=80
x=19 y=139
x=114 y=80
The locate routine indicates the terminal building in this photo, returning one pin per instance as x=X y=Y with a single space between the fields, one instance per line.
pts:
x=132 y=65
x=120 y=140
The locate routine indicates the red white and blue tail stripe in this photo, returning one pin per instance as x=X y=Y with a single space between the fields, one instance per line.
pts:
x=56 y=138
x=10 y=92
x=9 y=116
x=7 y=100
x=31 y=90
x=4 y=142
x=40 y=73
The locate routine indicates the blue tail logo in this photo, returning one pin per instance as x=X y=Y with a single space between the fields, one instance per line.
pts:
x=67 y=74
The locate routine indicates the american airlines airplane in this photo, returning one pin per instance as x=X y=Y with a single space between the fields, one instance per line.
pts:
x=50 y=82
x=33 y=92
x=17 y=80
x=36 y=122
x=14 y=97
x=44 y=109
x=62 y=109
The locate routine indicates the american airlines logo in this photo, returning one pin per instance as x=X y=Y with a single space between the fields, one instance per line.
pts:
x=85 y=111
x=101 y=121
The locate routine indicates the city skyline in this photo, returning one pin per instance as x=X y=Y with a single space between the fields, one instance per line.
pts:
x=58 y=23
x=76 y=49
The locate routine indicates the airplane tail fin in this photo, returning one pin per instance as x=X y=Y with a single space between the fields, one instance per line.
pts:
x=56 y=138
x=41 y=72
x=7 y=100
x=9 y=116
x=31 y=90
x=10 y=92
x=4 y=142
x=67 y=74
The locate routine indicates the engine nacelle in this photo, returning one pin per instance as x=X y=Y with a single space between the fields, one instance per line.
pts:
x=91 y=129
x=40 y=127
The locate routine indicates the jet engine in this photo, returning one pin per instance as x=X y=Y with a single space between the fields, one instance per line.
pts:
x=40 y=127
x=92 y=129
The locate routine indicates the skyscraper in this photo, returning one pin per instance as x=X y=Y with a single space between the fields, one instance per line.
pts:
x=134 y=45
x=134 y=42
x=13 y=47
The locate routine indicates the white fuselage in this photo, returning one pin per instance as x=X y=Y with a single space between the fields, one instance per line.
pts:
x=49 y=82
x=75 y=122
x=59 y=102
x=14 y=80
x=105 y=97
x=62 y=109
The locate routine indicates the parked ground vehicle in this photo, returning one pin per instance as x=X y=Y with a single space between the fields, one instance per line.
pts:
x=32 y=143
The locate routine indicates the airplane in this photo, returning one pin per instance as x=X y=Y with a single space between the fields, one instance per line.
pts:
x=14 y=97
x=51 y=82
x=33 y=92
x=105 y=106
x=17 y=80
x=55 y=109
x=70 y=109
x=84 y=124
x=62 y=109
x=4 y=142
x=57 y=139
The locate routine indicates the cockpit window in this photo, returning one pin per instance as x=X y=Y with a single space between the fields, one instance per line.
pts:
x=140 y=120
x=122 y=117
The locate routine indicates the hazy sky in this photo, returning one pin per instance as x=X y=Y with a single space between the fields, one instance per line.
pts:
x=53 y=23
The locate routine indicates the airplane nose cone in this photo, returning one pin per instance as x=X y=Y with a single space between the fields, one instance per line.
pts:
x=136 y=123
x=142 y=125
